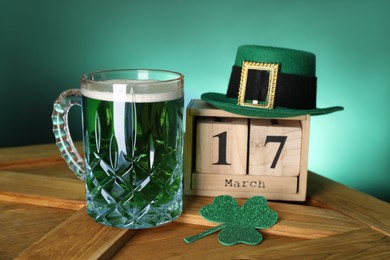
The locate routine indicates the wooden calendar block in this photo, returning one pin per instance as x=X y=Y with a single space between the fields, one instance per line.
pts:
x=256 y=145
x=244 y=183
x=274 y=147
x=221 y=145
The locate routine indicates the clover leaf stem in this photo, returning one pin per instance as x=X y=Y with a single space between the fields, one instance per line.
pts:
x=203 y=234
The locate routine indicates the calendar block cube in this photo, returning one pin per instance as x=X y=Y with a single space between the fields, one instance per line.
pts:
x=274 y=147
x=221 y=145
x=230 y=154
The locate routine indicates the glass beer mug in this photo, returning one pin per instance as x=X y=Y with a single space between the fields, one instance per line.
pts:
x=133 y=145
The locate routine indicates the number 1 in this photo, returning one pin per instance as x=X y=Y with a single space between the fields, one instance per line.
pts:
x=222 y=148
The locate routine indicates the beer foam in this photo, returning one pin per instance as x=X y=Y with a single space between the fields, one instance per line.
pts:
x=125 y=93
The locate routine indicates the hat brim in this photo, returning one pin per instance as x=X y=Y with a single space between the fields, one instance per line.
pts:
x=220 y=101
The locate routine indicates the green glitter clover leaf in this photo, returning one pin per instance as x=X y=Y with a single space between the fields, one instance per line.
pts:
x=239 y=223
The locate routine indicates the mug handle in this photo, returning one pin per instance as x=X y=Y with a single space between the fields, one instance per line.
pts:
x=63 y=103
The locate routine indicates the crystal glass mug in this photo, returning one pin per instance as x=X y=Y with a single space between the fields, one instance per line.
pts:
x=133 y=145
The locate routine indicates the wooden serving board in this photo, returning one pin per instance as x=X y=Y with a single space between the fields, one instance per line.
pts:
x=42 y=215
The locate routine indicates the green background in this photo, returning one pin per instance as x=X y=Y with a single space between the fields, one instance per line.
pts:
x=46 y=45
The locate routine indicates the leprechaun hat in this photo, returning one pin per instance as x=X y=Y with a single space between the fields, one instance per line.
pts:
x=271 y=82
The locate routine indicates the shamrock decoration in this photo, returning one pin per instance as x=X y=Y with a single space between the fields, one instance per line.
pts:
x=239 y=223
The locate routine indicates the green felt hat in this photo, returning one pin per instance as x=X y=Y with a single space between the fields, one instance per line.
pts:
x=271 y=82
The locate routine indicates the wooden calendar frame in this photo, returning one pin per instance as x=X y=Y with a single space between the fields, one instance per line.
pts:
x=202 y=184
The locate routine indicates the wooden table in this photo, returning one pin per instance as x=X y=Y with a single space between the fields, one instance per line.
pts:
x=42 y=215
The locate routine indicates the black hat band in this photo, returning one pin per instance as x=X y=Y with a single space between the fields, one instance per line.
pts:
x=292 y=91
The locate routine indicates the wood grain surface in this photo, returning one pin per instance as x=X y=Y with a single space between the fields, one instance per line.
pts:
x=42 y=216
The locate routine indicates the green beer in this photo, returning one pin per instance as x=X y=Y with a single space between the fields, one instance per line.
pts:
x=133 y=156
x=133 y=144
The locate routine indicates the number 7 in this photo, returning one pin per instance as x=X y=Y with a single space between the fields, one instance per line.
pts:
x=276 y=139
